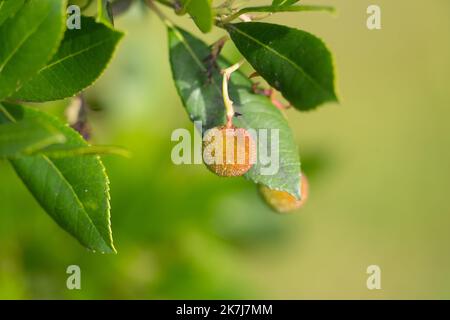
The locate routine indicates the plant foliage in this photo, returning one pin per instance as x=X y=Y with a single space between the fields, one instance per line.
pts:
x=41 y=60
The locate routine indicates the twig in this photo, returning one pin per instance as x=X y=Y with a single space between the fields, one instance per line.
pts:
x=226 y=98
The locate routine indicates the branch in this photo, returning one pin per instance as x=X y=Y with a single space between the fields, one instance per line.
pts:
x=272 y=9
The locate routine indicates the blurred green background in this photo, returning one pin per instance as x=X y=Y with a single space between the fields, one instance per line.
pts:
x=378 y=163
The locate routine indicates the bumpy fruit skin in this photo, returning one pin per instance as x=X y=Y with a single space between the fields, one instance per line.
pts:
x=284 y=202
x=243 y=144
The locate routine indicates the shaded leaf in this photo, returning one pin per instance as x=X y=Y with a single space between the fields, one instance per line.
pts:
x=73 y=191
x=28 y=41
x=292 y=61
x=202 y=98
x=82 y=57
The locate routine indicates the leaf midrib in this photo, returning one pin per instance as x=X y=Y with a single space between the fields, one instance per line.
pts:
x=61 y=60
x=296 y=66
x=77 y=199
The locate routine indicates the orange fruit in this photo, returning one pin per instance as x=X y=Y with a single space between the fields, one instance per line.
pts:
x=228 y=151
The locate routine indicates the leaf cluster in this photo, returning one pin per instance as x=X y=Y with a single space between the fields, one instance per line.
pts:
x=42 y=60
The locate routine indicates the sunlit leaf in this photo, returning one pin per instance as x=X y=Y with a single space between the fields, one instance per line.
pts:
x=28 y=41
x=74 y=191
x=82 y=57
x=8 y=9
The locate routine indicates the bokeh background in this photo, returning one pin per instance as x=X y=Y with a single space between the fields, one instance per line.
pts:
x=378 y=163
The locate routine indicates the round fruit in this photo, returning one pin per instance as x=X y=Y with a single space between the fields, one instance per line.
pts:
x=228 y=151
x=284 y=202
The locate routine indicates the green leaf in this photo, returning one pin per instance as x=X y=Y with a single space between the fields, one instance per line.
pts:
x=82 y=57
x=28 y=41
x=201 y=12
x=65 y=151
x=292 y=61
x=282 y=3
x=73 y=191
x=26 y=137
x=104 y=12
x=8 y=9
x=203 y=100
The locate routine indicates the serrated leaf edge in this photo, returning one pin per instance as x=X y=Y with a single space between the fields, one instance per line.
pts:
x=107 y=189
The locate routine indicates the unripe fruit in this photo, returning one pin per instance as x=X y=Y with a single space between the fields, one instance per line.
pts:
x=237 y=151
x=282 y=201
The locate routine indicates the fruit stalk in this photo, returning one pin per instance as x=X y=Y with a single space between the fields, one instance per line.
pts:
x=226 y=98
